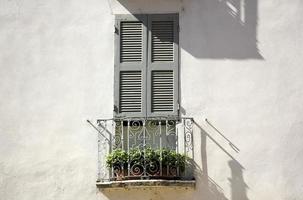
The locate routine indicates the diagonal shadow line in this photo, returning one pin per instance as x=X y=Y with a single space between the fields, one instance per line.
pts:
x=212 y=139
x=233 y=146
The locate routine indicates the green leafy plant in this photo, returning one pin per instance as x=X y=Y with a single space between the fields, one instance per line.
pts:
x=117 y=157
x=172 y=158
x=167 y=157
x=151 y=155
x=136 y=156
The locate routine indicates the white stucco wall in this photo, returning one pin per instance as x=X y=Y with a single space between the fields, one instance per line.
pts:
x=241 y=68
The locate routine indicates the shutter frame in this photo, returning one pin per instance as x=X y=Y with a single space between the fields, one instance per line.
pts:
x=146 y=66
x=173 y=66
x=129 y=66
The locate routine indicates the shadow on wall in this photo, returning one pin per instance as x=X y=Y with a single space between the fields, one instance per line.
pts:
x=206 y=188
x=220 y=29
x=213 y=29
x=237 y=184
x=209 y=188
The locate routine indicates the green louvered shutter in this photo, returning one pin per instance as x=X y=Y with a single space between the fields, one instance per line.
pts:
x=130 y=65
x=162 y=67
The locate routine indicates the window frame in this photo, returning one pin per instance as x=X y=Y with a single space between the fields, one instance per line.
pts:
x=147 y=65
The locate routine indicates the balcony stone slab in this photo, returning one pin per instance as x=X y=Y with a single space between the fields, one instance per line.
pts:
x=137 y=184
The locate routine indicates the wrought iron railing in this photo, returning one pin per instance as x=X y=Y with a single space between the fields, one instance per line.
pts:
x=144 y=148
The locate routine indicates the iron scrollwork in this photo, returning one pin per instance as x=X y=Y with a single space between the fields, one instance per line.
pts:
x=145 y=141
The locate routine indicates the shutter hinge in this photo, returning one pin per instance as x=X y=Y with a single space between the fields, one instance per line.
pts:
x=116 y=110
x=178 y=106
x=178 y=28
x=116 y=30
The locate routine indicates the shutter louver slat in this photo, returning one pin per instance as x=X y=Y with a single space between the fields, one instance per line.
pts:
x=131 y=40
x=162 y=41
x=162 y=91
x=130 y=91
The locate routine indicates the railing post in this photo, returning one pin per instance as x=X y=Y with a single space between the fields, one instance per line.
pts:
x=111 y=170
x=144 y=147
x=177 y=138
x=122 y=145
x=122 y=135
x=99 y=158
x=184 y=133
x=160 y=139
x=166 y=131
x=128 y=163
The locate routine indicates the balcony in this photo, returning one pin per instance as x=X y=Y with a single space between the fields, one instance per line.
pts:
x=145 y=152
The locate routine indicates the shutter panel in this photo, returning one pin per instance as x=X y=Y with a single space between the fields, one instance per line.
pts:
x=162 y=68
x=131 y=41
x=162 y=96
x=162 y=41
x=130 y=91
x=130 y=65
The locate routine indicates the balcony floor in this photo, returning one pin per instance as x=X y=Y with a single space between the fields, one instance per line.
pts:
x=155 y=183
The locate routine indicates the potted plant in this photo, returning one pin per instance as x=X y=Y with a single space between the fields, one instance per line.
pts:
x=117 y=160
x=136 y=162
x=149 y=161
x=152 y=161
x=173 y=163
x=147 y=158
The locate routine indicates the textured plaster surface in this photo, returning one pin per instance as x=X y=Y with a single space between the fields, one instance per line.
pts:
x=241 y=68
